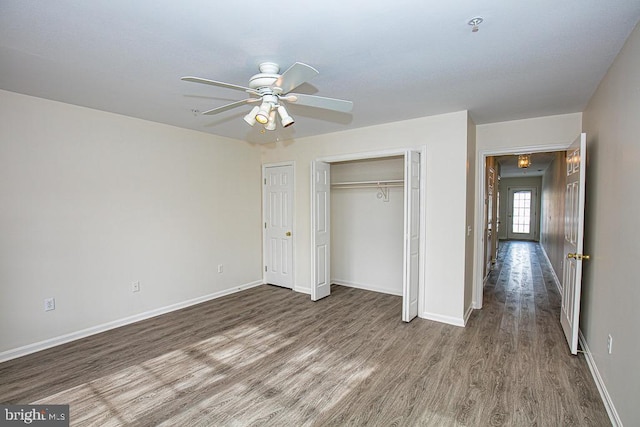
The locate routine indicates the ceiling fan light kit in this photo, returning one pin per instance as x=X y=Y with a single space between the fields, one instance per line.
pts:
x=271 y=123
x=272 y=89
x=251 y=117
x=285 y=118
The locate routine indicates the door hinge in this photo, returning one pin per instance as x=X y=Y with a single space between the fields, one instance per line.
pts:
x=265 y=181
x=265 y=268
x=265 y=225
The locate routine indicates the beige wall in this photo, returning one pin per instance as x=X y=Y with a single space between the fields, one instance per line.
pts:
x=445 y=139
x=540 y=133
x=91 y=201
x=552 y=214
x=611 y=293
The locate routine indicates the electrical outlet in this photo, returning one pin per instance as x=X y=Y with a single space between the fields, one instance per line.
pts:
x=219 y=268
x=610 y=344
x=135 y=286
x=49 y=304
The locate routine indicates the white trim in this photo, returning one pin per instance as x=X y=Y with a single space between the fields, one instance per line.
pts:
x=555 y=277
x=293 y=220
x=481 y=157
x=367 y=155
x=450 y=320
x=73 y=336
x=604 y=394
x=365 y=287
x=467 y=315
x=303 y=289
x=422 y=274
x=422 y=297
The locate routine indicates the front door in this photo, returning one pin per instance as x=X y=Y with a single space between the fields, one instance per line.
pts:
x=573 y=241
x=522 y=213
x=278 y=227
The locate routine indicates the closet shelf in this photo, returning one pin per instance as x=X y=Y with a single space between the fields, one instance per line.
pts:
x=369 y=184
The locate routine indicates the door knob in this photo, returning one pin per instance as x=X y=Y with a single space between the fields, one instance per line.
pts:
x=288 y=234
x=579 y=257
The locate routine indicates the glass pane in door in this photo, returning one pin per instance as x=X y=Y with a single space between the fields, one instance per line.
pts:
x=521 y=211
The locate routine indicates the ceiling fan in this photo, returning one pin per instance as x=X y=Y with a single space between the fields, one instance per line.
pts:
x=270 y=89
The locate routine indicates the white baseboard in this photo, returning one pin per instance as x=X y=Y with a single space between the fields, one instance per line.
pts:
x=365 y=287
x=604 y=394
x=468 y=314
x=450 y=320
x=63 y=339
x=555 y=277
x=302 y=290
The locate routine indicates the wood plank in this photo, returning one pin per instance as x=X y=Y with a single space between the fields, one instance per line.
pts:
x=270 y=356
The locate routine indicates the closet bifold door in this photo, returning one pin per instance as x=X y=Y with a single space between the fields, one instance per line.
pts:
x=411 y=236
x=320 y=208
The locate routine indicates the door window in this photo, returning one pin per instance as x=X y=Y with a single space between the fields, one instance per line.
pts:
x=521 y=212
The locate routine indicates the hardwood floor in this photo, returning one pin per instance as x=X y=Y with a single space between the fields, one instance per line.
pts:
x=270 y=356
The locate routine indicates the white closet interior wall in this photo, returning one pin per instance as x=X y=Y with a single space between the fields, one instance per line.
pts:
x=367 y=226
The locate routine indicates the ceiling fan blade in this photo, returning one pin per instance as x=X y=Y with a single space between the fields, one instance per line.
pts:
x=220 y=84
x=230 y=106
x=295 y=75
x=319 y=102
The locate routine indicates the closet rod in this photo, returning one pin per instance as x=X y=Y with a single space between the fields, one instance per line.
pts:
x=368 y=184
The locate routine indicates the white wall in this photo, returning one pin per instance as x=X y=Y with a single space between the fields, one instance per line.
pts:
x=445 y=139
x=92 y=201
x=367 y=231
x=611 y=293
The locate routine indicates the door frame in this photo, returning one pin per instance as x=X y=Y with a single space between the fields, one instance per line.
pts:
x=479 y=241
x=265 y=166
x=423 y=173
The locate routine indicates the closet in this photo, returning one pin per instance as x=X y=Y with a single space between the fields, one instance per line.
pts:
x=371 y=239
x=367 y=222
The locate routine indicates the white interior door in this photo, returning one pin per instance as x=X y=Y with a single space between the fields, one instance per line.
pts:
x=573 y=241
x=320 y=204
x=411 y=236
x=522 y=213
x=278 y=223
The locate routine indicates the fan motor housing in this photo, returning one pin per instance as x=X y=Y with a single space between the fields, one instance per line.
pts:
x=263 y=80
x=267 y=77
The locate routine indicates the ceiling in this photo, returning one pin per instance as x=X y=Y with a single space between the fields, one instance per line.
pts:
x=539 y=164
x=395 y=60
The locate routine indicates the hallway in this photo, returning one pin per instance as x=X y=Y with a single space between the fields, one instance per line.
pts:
x=543 y=384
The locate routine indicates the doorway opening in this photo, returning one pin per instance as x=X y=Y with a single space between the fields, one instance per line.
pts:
x=501 y=227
